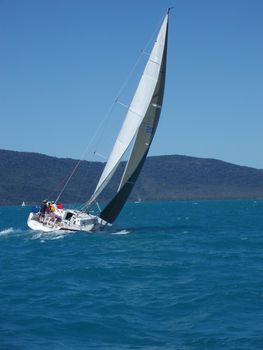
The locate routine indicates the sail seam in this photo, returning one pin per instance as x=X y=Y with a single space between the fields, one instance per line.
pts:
x=158 y=63
x=134 y=112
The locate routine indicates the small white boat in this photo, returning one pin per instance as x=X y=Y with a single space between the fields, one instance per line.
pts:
x=138 y=200
x=137 y=133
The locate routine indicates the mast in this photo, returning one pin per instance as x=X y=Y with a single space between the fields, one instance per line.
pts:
x=140 y=124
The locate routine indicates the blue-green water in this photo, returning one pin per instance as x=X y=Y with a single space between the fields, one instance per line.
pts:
x=176 y=275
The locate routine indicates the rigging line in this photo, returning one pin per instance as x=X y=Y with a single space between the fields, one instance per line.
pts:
x=69 y=178
x=55 y=190
x=100 y=155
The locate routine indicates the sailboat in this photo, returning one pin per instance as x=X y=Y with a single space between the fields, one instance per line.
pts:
x=137 y=133
x=138 y=200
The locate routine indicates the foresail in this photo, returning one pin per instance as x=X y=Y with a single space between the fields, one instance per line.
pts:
x=137 y=110
x=142 y=143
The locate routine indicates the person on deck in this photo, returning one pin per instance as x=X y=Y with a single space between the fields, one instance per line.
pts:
x=52 y=207
x=43 y=209
x=60 y=205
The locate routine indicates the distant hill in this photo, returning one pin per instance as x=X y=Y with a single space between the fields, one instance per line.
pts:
x=31 y=177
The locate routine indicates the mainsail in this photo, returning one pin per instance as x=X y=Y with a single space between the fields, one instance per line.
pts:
x=140 y=124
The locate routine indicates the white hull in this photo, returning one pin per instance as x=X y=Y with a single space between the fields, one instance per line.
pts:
x=70 y=220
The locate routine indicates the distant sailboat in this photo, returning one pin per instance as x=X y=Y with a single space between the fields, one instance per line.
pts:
x=139 y=127
x=23 y=204
x=138 y=200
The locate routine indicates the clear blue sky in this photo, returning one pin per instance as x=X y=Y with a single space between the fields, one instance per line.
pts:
x=62 y=63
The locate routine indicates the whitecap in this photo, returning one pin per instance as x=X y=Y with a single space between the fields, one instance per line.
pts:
x=122 y=232
x=7 y=231
x=58 y=237
x=44 y=236
x=37 y=236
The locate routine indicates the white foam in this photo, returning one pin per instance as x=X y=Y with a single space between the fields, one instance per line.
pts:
x=44 y=236
x=122 y=232
x=7 y=231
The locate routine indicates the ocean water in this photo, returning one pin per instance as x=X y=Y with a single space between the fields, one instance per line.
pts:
x=170 y=275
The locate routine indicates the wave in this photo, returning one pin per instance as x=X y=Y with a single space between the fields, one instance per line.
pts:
x=8 y=231
x=45 y=236
x=54 y=235
x=122 y=232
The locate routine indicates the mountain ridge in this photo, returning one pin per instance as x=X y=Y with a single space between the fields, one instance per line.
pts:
x=30 y=177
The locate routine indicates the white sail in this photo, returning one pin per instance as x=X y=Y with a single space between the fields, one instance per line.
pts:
x=136 y=111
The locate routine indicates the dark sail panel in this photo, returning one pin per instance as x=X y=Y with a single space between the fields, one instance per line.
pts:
x=112 y=210
x=141 y=147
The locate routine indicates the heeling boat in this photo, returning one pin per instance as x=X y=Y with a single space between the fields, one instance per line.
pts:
x=138 y=130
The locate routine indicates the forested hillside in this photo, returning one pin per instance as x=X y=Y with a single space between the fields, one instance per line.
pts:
x=30 y=177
